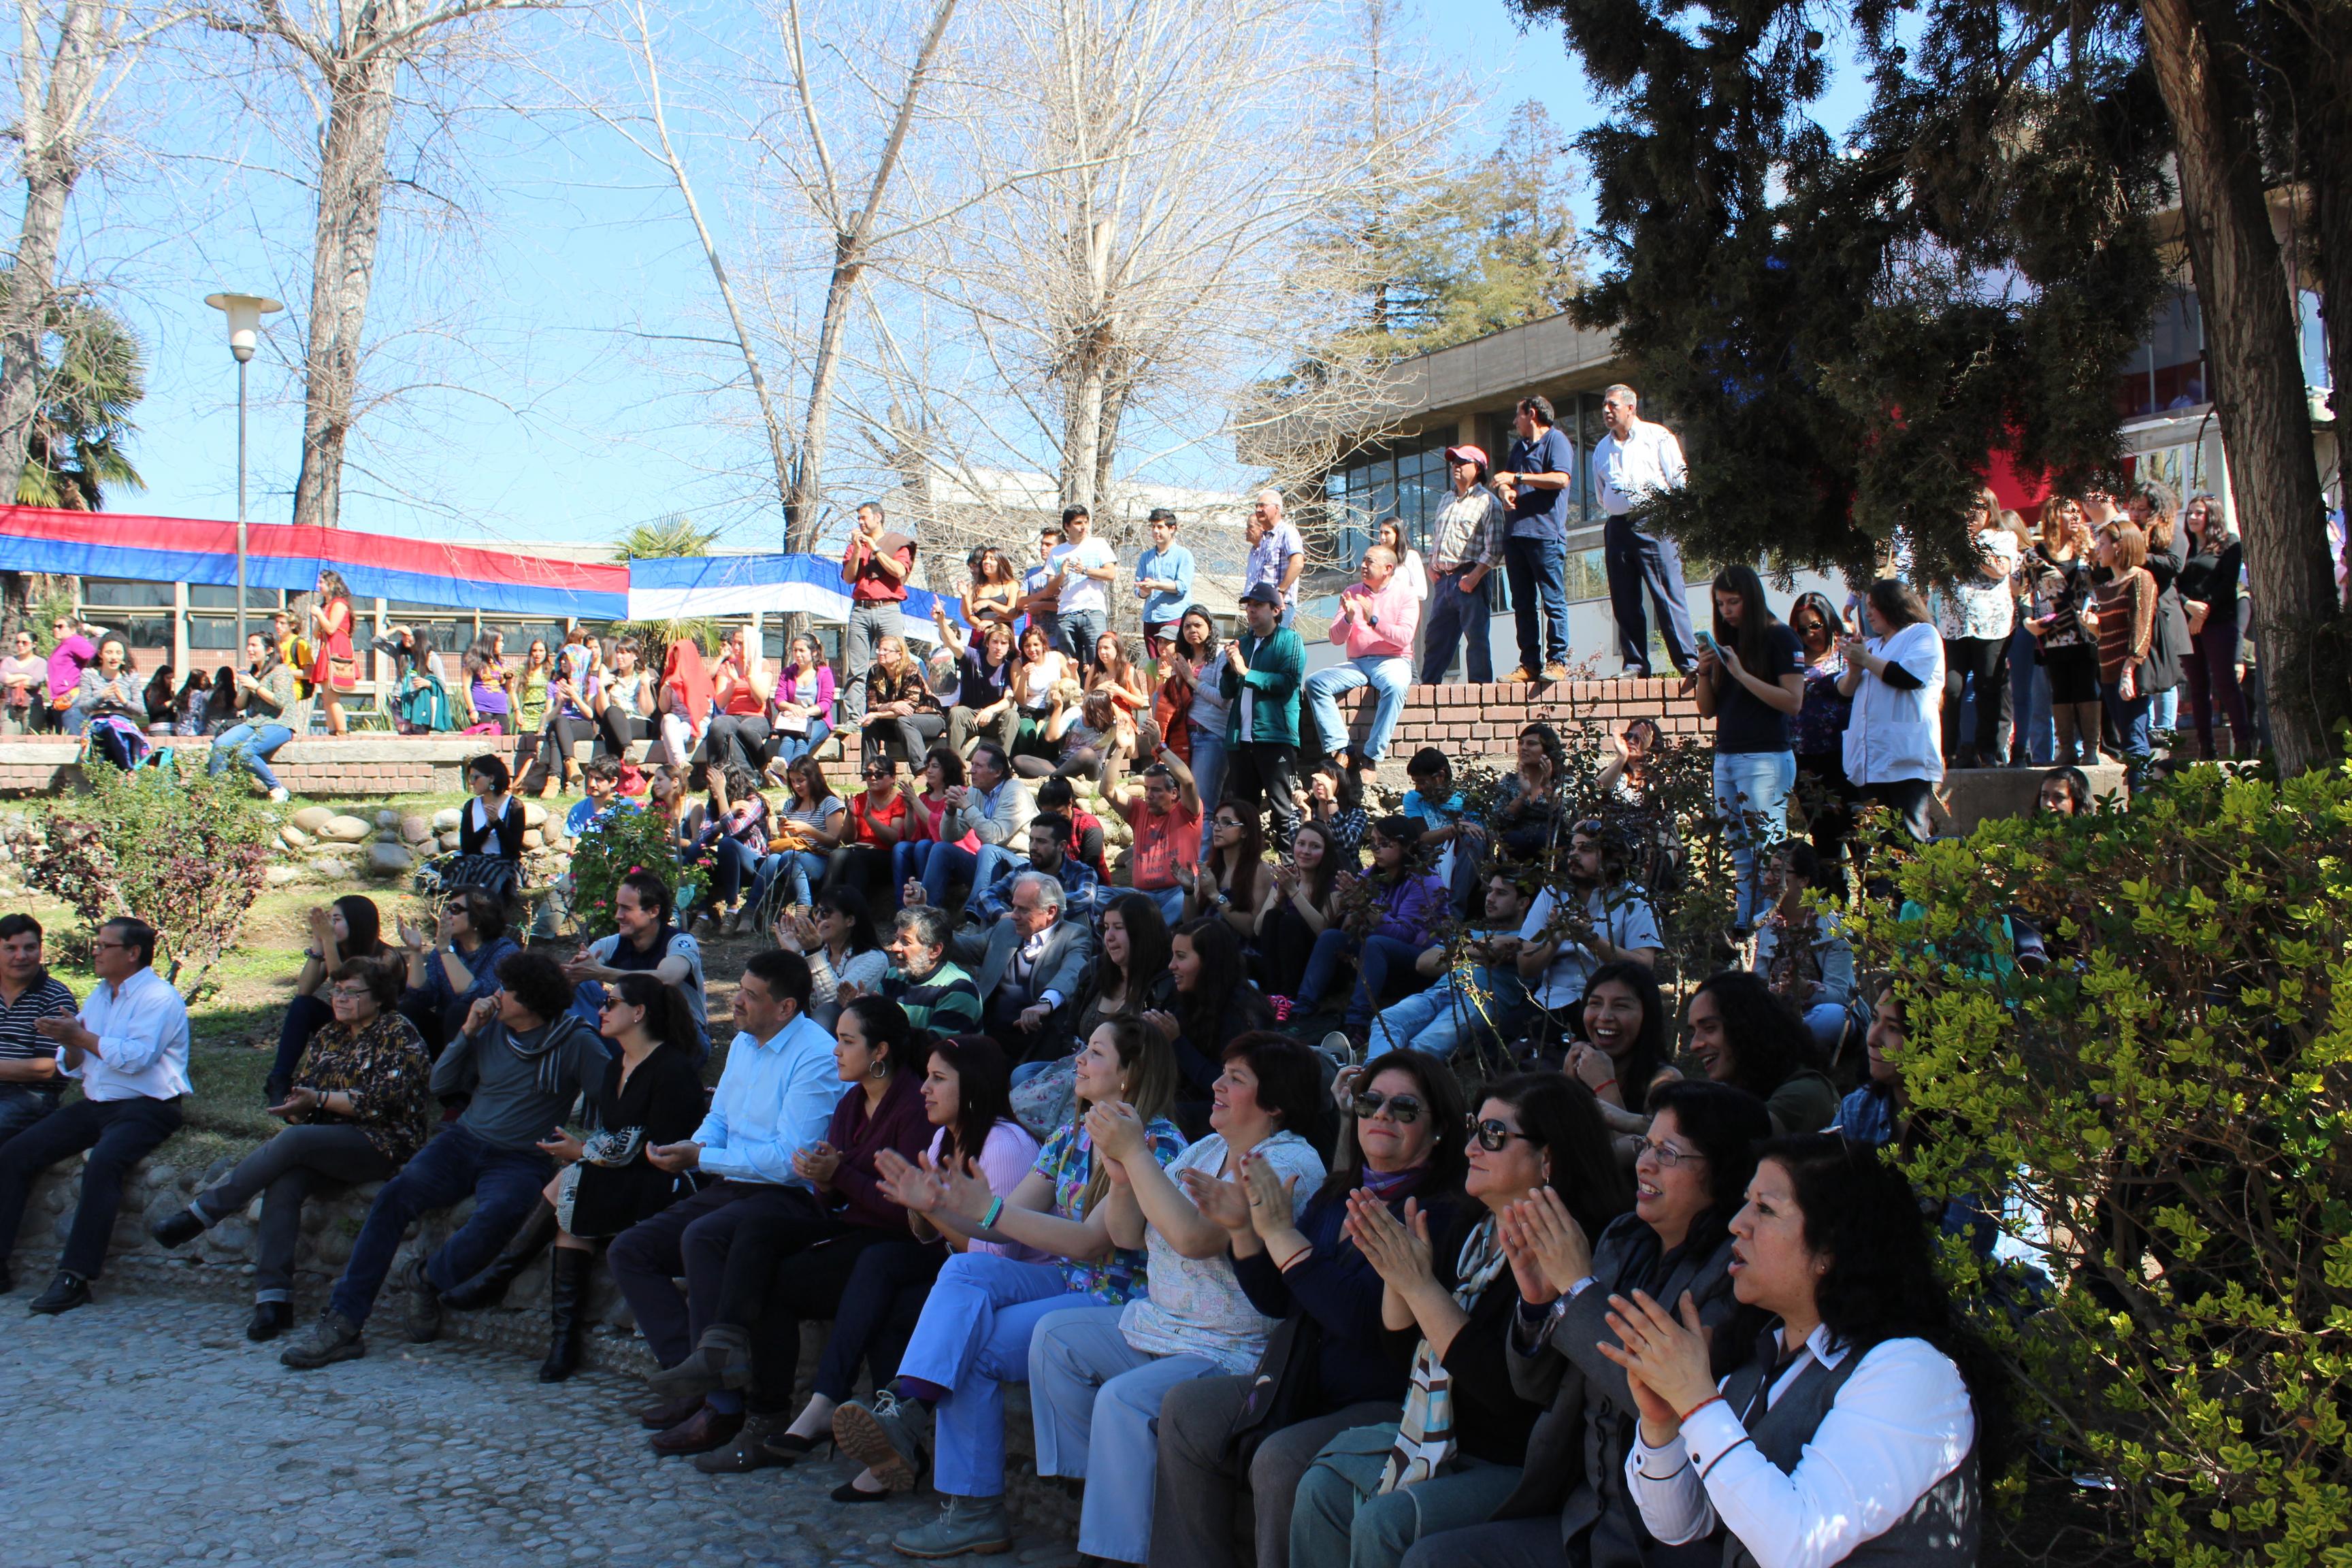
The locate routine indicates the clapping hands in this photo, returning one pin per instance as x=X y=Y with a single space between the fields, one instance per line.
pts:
x=1399 y=1253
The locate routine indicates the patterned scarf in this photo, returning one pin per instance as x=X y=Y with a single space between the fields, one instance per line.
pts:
x=1424 y=1441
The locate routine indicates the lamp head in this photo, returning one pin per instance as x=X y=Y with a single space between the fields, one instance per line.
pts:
x=245 y=312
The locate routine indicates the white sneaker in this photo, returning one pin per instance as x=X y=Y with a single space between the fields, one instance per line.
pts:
x=279 y=796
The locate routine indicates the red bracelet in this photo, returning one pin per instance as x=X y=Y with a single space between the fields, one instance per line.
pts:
x=1710 y=1399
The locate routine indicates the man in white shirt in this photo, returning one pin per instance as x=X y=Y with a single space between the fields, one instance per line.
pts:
x=776 y=1098
x=1084 y=566
x=1633 y=462
x=1601 y=918
x=1277 y=556
x=129 y=1050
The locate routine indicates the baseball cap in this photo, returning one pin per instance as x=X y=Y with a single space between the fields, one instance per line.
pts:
x=1465 y=455
x=1262 y=593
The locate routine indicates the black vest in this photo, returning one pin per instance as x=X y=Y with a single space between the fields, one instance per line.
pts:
x=1940 y=1528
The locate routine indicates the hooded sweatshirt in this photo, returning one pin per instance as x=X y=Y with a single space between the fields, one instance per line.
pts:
x=523 y=1083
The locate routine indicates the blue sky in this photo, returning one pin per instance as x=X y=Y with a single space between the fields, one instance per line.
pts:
x=553 y=410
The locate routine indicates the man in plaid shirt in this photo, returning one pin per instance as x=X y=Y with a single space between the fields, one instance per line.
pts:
x=1469 y=541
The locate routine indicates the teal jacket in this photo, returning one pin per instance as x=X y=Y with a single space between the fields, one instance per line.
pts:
x=1276 y=668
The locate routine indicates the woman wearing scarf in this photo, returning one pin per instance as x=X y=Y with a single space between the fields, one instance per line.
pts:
x=1455 y=1454
x=685 y=701
x=1572 y=1504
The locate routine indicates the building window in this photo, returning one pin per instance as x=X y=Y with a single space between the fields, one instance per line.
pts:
x=123 y=593
x=223 y=596
x=1406 y=483
x=2166 y=373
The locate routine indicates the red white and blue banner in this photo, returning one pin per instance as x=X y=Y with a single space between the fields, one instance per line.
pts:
x=462 y=577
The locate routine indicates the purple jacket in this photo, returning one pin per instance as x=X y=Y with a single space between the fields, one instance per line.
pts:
x=1410 y=909
x=787 y=683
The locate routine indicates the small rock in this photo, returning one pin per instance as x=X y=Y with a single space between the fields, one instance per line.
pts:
x=534 y=814
x=346 y=830
x=311 y=818
x=294 y=837
x=415 y=829
x=451 y=839
x=333 y=870
x=281 y=876
x=389 y=860
x=387 y=818
x=447 y=819
x=532 y=838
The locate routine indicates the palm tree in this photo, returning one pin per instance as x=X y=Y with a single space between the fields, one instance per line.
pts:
x=97 y=377
x=664 y=539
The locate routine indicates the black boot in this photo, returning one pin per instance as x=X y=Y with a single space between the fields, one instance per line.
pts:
x=489 y=1288
x=567 y=1303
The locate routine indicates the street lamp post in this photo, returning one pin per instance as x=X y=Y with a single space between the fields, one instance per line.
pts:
x=245 y=312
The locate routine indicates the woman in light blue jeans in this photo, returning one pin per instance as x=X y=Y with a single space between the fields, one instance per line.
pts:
x=273 y=715
x=1751 y=683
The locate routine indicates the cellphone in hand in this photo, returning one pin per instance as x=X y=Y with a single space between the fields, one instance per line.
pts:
x=1705 y=640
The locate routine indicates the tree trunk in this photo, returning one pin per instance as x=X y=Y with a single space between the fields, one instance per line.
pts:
x=806 y=492
x=350 y=223
x=2244 y=295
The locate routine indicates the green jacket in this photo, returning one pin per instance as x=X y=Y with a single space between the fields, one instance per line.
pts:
x=1276 y=668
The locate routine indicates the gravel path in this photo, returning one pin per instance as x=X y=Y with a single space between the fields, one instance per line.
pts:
x=145 y=1430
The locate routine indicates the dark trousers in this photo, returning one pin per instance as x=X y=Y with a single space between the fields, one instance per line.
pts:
x=1198 y=1481
x=284 y=1171
x=1538 y=570
x=567 y=732
x=21 y=1105
x=616 y=727
x=2212 y=670
x=503 y=1183
x=1268 y=771
x=1982 y=662
x=119 y=1134
x=907 y=736
x=737 y=737
x=304 y=1017
x=1907 y=798
x=875 y=1312
x=1639 y=563
x=1502 y=1544
x=691 y=1237
x=802 y=1282
x=1453 y=617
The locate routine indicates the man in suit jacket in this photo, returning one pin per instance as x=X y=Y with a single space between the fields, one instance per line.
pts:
x=1030 y=966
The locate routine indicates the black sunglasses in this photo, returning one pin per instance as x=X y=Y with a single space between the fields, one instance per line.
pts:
x=1492 y=1134
x=1404 y=1108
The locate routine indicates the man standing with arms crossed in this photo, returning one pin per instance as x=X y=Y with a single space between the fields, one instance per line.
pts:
x=876 y=567
x=1633 y=462
x=1534 y=486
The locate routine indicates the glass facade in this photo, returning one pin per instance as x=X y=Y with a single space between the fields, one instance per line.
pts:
x=2166 y=373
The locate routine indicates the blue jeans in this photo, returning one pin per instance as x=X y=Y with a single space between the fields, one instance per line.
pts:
x=1538 y=570
x=972 y=1340
x=731 y=864
x=21 y=1105
x=908 y=858
x=995 y=860
x=943 y=866
x=2164 y=711
x=1827 y=1021
x=1455 y=615
x=802 y=870
x=1388 y=677
x=793 y=748
x=2029 y=701
x=2132 y=723
x=254 y=745
x=1208 y=778
x=1094 y=1402
x=1752 y=797
x=503 y=1183
x=1081 y=630
x=1380 y=959
x=1436 y=1021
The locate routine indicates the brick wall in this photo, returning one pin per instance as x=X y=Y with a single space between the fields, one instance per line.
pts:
x=1484 y=720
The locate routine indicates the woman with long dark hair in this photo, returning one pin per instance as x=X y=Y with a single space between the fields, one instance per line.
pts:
x=1203 y=719
x=1300 y=902
x=942 y=771
x=1214 y=1004
x=1131 y=970
x=453 y=962
x=2124 y=621
x=2060 y=571
x=1621 y=1046
x=1895 y=676
x=274 y=712
x=1871 y=1415
x=838 y=936
x=2208 y=594
x=1820 y=732
x=804 y=835
x=1751 y=682
x=1448 y=1301
x=732 y=826
x=1742 y=1034
x=488 y=686
x=1402 y=1141
x=350 y=928
x=1226 y=883
x=1690 y=1177
x=1530 y=806
x=336 y=671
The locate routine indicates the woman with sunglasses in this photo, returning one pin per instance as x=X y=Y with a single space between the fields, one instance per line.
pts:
x=1572 y=1504
x=1860 y=1428
x=845 y=958
x=1457 y=1449
x=361 y=1108
x=881 y=815
x=1098 y=1375
x=651 y=1093
x=1403 y=1141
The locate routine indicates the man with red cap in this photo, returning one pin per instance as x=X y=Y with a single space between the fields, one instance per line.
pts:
x=1465 y=544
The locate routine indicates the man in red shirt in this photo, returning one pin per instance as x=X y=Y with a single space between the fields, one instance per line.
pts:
x=876 y=567
x=1166 y=817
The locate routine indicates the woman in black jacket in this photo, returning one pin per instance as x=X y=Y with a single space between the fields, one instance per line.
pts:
x=1331 y=1366
x=1571 y=1505
x=491 y=823
x=1457 y=1452
x=1213 y=1005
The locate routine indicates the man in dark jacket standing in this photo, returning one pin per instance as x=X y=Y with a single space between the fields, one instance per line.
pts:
x=1263 y=669
x=523 y=1057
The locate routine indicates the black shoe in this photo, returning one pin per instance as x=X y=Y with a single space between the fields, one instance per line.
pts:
x=847 y=1492
x=66 y=1292
x=178 y=1230
x=567 y=1298
x=271 y=1318
x=489 y=1288
x=422 y=1315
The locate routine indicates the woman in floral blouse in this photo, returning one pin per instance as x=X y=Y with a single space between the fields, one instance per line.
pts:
x=361 y=1109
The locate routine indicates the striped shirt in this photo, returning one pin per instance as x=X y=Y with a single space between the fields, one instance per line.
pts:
x=45 y=997
x=945 y=999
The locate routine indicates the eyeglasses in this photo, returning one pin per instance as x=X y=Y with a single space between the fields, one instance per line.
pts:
x=877 y=773
x=608 y=1004
x=1403 y=1109
x=348 y=993
x=1665 y=1154
x=1493 y=1133
x=1223 y=822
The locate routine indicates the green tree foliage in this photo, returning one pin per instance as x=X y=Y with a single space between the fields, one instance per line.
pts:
x=625 y=841
x=668 y=538
x=2170 y=1097
x=94 y=373
x=1842 y=326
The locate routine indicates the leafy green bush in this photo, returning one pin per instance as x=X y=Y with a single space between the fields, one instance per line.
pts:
x=183 y=852
x=622 y=842
x=2169 y=1097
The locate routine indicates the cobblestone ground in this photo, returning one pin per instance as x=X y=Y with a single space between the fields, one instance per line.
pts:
x=145 y=1430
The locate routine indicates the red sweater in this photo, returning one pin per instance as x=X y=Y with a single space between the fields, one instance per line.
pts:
x=898 y=1123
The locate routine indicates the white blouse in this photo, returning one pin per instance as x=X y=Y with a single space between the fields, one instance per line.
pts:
x=1894 y=734
x=1901 y=1424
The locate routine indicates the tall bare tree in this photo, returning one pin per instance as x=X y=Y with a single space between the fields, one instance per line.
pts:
x=349 y=55
x=71 y=57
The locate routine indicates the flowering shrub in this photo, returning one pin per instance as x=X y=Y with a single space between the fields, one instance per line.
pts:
x=184 y=853
x=621 y=842
x=2169 y=1098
